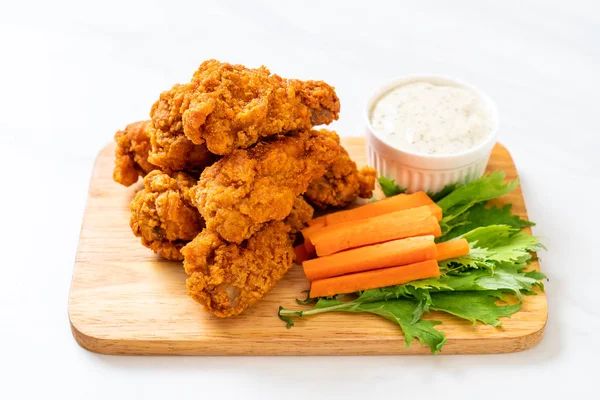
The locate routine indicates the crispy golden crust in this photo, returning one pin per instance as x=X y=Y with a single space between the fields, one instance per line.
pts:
x=248 y=188
x=342 y=182
x=131 y=155
x=162 y=214
x=301 y=213
x=231 y=106
x=227 y=278
x=170 y=148
x=366 y=182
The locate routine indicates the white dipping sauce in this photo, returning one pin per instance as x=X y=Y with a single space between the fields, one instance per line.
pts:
x=428 y=118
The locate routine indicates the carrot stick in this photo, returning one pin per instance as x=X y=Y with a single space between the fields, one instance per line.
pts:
x=388 y=254
x=436 y=211
x=374 y=279
x=310 y=248
x=307 y=233
x=320 y=221
x=397 y=225
x=300 y=254
x=437 y=230
x=452 y=248
x=385 y=206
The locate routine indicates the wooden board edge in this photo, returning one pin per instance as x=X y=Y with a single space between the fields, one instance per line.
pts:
x=296 y=347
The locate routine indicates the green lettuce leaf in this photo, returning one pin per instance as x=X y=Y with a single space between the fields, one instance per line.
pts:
x=508 y=279
x=470 y=305
x=479 y=216
x=389 y=187
x=505 y=279
x=538 y=276
x=399 y=311
x=474 y=306
x=494 y=245
x=442 y=193
x=464 y=197
x=423 y=306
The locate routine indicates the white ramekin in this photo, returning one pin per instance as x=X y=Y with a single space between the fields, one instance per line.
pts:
x=429 y=173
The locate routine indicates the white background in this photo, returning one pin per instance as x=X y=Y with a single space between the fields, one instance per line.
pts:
x=71 y=74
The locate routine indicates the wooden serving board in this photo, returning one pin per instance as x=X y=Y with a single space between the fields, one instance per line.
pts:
x=126 y=300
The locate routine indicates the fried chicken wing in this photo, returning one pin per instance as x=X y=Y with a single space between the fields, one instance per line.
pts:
x=366 y=182
x=301 y=213
x=231 y=106
x=169 y=146
x=131 y=155
x=248 y=188
x=227 y=278
x=342 y=182
x=162 y=214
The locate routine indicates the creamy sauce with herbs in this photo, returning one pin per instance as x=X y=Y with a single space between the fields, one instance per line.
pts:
x=428 y=118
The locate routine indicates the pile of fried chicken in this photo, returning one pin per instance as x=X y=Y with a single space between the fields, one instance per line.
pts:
x=232 y=169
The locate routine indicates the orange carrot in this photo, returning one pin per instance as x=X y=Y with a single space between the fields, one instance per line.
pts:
x=436 y=211
x=310 y=248
x=388 y=254
x=374 y=279
x=300 y=254
x=437 y=230
x=320 y=221
x=307 y=233
x=452 y=248
x=385 y=206
x=397 y=225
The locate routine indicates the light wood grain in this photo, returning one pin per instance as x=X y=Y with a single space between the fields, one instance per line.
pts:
x=126 y=300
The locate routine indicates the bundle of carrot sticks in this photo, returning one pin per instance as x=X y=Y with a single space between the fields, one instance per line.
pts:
x=384 y=243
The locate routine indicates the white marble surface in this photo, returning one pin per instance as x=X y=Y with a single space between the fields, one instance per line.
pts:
x=71 y=73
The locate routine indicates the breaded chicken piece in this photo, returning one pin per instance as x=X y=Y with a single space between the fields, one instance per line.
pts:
x=226 y=278
x=162 y=214
x=231 y=106
x=342 y=182
x=227 y=288
x=131 y=155
x=301 y=213
x=366 y=182
x=178 y=153
x=248 y=188
x=170 y=148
